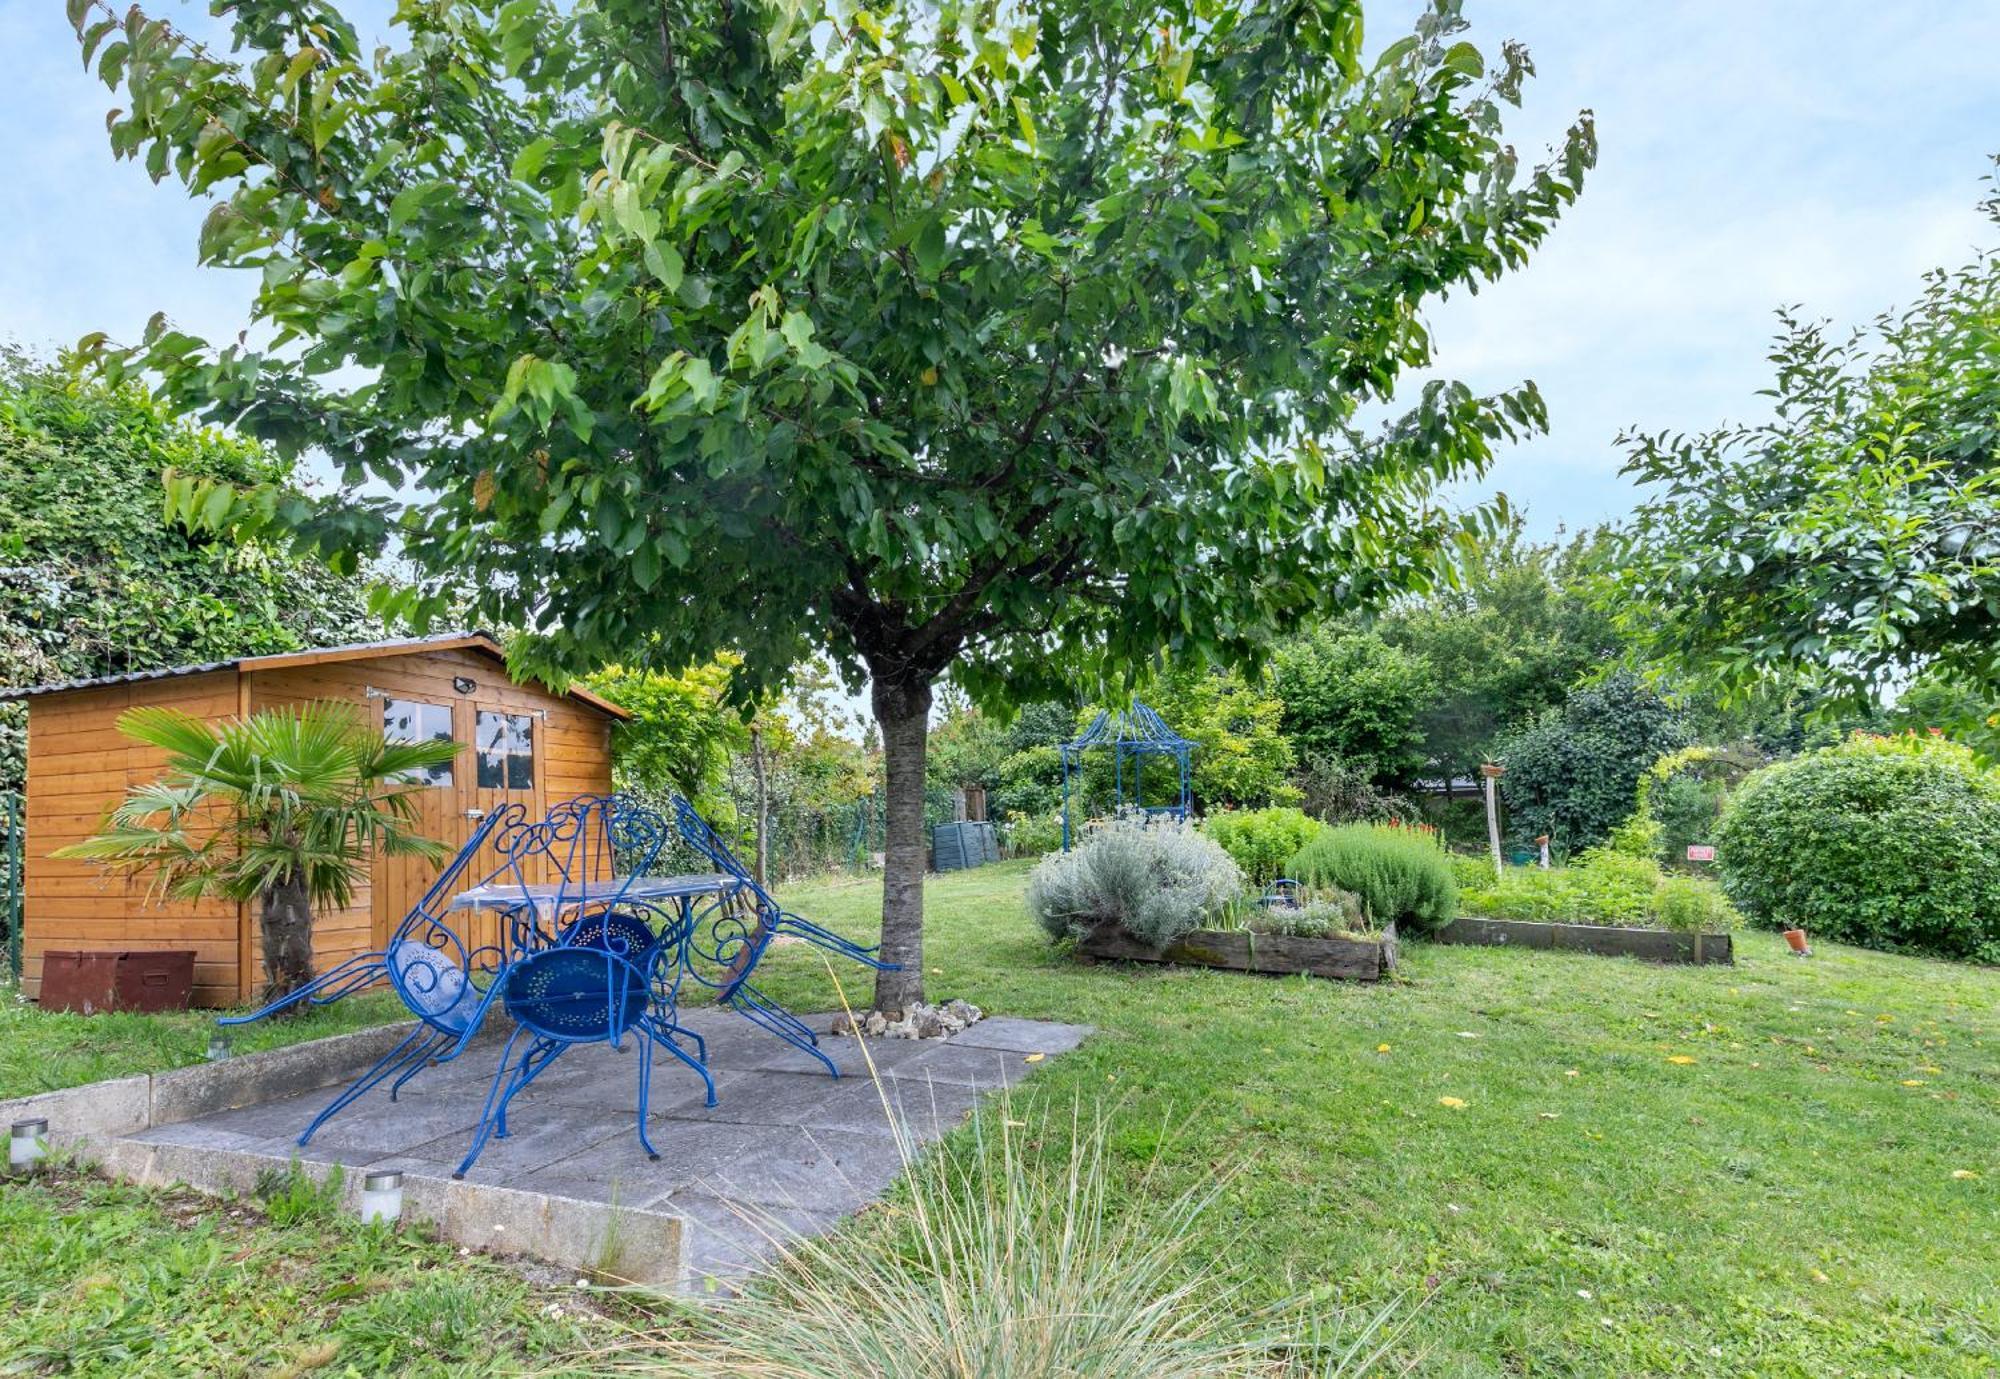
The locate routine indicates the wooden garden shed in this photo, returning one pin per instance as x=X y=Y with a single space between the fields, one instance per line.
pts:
x=523 y=744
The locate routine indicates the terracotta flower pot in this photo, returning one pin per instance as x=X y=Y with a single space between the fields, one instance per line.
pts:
x=1797 y=938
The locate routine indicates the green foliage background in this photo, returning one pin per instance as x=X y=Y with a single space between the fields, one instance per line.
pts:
x=93 y=578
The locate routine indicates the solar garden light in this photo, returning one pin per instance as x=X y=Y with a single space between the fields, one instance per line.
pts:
x=381 y=1197
x=218 y=1047
x=27 y=1145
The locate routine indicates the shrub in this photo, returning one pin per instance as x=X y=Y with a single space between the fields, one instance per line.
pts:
x=1157 y=883
x=1261 y=840
x=1882 y=842
x=1032 y=835
x=1472 y=873
x=1573 y=772
x=1601 y=887
x=1401 y=874
x=1692 y=906
x=1323 y=914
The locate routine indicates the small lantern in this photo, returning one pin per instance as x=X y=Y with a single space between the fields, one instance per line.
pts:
x=26 y=1145
x=218 y=1047
x=381 y=1197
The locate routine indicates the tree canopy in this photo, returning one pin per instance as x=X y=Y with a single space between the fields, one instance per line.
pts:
x=1853 y=538
x=1020 y=341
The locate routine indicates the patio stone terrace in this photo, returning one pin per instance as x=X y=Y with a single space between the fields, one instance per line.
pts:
x=786 y=1150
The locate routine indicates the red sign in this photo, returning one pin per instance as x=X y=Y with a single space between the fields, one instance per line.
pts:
x=1701 y=852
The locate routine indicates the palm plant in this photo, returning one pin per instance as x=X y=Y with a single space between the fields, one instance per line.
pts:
x=287 y=807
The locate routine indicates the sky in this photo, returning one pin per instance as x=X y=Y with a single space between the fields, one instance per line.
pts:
x=1753 y=153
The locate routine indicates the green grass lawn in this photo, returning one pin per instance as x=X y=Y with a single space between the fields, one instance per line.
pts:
x=43 y=1050
x=1689 y=1171
x=1655 y=1170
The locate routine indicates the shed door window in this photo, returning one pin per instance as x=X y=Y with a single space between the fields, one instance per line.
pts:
x=412 y=720
x=506 y=743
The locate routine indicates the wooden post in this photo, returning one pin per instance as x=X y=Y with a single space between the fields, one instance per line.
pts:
x=1492 y=772
x=763 y=801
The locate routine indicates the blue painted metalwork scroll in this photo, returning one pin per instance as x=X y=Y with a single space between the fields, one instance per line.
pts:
x=1132 y=735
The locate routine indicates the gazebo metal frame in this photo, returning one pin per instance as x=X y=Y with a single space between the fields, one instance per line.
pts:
x=1133 y=735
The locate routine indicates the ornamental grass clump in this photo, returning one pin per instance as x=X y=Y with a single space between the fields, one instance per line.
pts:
x=1157 y=882
x=1402 y=874
x=1005 y=1261
x=1324 y=914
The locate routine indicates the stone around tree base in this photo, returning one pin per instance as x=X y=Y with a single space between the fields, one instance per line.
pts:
x=920 y=1021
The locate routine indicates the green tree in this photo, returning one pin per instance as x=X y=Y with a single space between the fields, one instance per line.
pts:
x=1353 y=697
x=1017 y=341
x=1573 y=771
x=1507 y=640
x=94 y=580
x=1854 y=538
x=1241 y=756
x=288 y=807
x=682 y=733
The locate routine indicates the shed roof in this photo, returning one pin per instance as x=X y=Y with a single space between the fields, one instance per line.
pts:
x=484 y=642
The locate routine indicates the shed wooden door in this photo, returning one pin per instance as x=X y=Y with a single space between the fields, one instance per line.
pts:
x=500 y=764
x=400 y=882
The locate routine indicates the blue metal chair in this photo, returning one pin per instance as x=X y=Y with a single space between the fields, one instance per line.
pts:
x=447 y=986
x=590 y=990
x=730 y=935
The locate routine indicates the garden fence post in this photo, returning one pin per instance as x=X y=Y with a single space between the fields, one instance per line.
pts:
x=1493 y=772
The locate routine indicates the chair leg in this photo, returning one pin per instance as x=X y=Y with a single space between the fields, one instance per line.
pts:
x=546 y=1051
x=779 y=1022
x=509 y=1079
x=415 y=1048
x=645 y=1088
x=356 y=972
x=665 y=1035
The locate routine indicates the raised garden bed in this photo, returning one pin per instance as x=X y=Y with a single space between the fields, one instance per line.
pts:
x=1238 y=950
x=1652 y=945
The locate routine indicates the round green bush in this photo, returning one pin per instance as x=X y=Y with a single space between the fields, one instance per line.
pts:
x=1402 y=875
x=1883 y=842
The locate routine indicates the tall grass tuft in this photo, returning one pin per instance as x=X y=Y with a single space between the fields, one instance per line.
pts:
x=1001 y=1266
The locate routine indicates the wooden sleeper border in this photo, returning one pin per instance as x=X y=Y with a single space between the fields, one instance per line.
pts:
x=1651 y=945
x=1237 y=950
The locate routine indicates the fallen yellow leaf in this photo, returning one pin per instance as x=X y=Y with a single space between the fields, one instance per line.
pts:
x=1571 y=1072
x=1963 y=1173
x=1381 y=1048
x=1913 y=1082
x=1451 y=1101
x=1680 y=1058
x=1927 y=1068
x=1035 y=1057
x=1818 y=1277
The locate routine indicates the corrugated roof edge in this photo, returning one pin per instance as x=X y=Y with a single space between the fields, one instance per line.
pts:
x=443 y=641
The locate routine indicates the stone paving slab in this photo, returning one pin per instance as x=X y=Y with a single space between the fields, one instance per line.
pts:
x=786 y=1150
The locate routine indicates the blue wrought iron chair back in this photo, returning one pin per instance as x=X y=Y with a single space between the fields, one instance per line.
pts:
x=730 y=935
x=448 y=986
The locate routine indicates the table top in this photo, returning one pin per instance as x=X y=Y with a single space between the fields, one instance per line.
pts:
x=544 y=895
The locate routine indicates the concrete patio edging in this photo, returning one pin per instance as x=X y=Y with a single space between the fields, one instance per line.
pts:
x=636 y=1246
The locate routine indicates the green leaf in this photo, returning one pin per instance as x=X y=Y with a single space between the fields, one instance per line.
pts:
x=929 y=246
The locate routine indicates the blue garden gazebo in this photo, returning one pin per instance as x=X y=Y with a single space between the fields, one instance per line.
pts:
x=1133 y=735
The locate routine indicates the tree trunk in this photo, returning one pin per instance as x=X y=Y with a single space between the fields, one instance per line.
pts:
x=287 y=922
x=763 y=802
x=903 y=711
